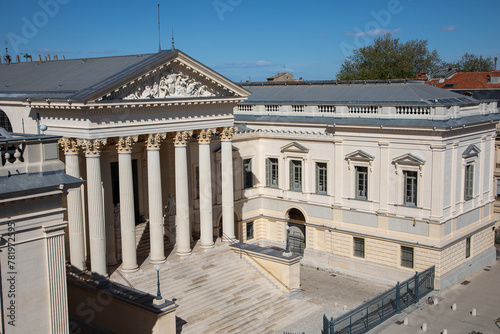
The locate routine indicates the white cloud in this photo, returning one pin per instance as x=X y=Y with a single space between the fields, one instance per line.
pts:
x=449 y=28
x=372 y=33
x=263 y=63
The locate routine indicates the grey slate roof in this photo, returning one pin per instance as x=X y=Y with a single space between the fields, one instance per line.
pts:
x=71 y=78
x=17 y=183
x=456 y=122
x=381 y=93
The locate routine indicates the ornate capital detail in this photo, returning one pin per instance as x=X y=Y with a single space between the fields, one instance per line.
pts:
x=154 y=141
x=228 y=133
x=205 y=135
x=91 y=147
x=181 y=138
x=125 y=144
x=69 y=145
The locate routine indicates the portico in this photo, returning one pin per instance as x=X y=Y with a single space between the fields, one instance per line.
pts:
x=155 y=111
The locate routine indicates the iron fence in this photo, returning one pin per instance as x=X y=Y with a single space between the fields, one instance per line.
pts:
x=381 y=308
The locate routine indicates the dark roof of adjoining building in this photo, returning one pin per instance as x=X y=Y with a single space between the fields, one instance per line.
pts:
x=353 y=93
x=70 y=78
x=20 y=183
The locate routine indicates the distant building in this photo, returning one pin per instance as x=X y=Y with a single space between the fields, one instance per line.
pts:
x=281 y=77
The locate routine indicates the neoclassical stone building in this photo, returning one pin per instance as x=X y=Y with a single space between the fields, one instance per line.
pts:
x=383 y=178
x=130 y=126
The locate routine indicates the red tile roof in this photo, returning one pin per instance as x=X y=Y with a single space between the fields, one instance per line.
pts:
x=467 y=80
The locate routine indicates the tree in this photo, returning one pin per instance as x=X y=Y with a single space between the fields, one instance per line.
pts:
x=472 y=63
x=388 y=58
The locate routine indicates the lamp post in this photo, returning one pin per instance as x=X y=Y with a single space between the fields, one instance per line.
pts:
x=158 y=299
x=287 y=249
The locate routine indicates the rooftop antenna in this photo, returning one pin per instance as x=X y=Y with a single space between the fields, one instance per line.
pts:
x=173 y=42
x=159 y=38
x=6 y=57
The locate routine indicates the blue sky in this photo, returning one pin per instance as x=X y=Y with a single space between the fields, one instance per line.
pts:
x=248 y=39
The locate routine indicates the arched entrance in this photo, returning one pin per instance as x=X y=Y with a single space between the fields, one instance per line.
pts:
x=5 y=122
x=297 y=236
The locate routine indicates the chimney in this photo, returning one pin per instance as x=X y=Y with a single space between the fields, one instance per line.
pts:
x=18 y=60
x=39 y=58
x=45 y=58
x=55 y=57
x=48 y=56
x=496 y=58
x=63 y=58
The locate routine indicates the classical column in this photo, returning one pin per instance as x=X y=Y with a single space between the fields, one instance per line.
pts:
x=56 y=278
x=108 y=208
x=226 y=136
x=127 y=205
x=155 y=199
x=206 y=218
x=181 y=194
x=97 y=228
x=74 y=199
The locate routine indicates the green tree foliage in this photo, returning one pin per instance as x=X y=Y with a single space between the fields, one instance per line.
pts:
x=472 y=63
x=388 y=58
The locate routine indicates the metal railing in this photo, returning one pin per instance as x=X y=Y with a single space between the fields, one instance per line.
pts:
x=373 y=313
x=235 y=242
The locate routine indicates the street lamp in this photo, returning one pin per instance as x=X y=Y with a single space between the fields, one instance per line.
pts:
x=158 y=299
x=287 y=249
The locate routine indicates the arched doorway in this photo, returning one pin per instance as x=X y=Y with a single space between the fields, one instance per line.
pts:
x=297 y=236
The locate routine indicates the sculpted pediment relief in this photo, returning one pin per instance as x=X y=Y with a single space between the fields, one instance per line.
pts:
x=168 y=84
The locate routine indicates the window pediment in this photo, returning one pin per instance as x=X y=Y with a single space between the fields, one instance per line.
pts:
x=471 y=151
x=295 y=148
x=360 y=156
x=408 y=159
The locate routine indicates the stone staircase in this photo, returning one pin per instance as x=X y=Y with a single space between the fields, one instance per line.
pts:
x=142 y=240
x=217 y=292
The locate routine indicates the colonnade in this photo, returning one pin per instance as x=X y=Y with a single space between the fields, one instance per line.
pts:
x=95 y=198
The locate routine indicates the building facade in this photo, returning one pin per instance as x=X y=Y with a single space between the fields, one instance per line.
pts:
x=381 y=178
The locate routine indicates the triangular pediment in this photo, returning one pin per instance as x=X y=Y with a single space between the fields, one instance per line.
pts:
x=408 y=159
x=359 y=155
x=471 y=151
x=176 y=78
x=295 y=147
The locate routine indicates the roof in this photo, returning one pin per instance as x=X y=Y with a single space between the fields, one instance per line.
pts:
x=467 y=80
x=17 y=183
x=355 y=121
x=352 y=93
x=70 y=78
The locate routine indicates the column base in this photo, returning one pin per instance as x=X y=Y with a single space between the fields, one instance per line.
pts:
x=158 y=261
x=129 y=270
x=207 y=246
x=233 y=240
x=184 y=253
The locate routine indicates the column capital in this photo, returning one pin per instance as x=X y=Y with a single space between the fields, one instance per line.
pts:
x=181 y=138
x=205 y=135
x=124 y=144
x=69 y=145
x=92 y=147
x=227 y=133
x=154 y=140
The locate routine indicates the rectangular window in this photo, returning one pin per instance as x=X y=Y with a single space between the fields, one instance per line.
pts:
x=272 y=172
x=361 y=182
x=321 y=177
x=247 y=173
x=467 y=247
x=359 y=247
x=296 y=175
x=498 y=188
x=469 y=182
x=410 y=188
x=406 y=257
x=249 y=230
x=197 y=182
